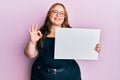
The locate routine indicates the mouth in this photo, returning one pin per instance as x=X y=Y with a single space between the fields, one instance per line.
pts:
x=57 y=19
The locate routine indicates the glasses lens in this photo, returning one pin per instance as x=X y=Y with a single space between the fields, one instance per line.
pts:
x=55 y=12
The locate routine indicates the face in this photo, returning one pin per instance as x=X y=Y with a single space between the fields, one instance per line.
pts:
x=57 y=15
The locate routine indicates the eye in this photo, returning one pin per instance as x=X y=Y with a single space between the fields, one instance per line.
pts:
x=54 y=11
x=61 y=13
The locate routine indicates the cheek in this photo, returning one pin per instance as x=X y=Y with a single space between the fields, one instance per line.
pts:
x=61 y=22
x=62 y=19
x=51 y=18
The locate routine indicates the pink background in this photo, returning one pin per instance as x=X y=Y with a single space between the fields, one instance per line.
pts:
x=16 y=16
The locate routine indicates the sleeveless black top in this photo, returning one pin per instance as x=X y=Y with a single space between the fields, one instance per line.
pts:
x=46 y=60
x=47 y=55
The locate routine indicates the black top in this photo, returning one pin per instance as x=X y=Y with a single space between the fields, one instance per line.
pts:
x=47 y=56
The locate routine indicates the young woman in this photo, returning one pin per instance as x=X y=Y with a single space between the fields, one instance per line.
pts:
x=41 y=44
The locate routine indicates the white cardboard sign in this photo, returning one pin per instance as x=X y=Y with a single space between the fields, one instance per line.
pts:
x=76 y=43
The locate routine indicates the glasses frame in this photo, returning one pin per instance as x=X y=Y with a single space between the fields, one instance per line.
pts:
x=60 y=14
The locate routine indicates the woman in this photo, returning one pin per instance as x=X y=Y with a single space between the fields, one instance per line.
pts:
x=41 y=44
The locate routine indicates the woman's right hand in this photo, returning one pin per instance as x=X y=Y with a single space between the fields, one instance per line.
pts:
x=35 y=34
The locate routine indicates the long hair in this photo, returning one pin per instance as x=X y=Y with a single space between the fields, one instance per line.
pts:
x=46 y=28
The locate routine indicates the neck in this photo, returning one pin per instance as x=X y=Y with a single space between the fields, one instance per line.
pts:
x=52 y=33
x=54 y=27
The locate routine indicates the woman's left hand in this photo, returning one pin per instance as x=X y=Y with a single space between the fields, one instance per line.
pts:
x=98 y=48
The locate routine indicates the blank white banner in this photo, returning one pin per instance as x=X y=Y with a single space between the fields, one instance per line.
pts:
x=76 y=43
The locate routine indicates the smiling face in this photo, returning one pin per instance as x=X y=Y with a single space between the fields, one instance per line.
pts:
x=57 y=15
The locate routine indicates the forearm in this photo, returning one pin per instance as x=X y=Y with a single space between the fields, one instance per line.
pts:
x=30 y=50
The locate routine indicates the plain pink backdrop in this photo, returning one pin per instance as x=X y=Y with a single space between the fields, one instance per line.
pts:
x=16 y=16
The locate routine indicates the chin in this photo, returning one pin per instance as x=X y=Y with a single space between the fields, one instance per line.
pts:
x=57 y=24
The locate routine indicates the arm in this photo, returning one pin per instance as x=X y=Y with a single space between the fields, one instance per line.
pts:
x=30 y=49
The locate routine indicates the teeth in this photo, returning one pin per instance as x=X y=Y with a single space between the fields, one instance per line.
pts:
x=56 y=19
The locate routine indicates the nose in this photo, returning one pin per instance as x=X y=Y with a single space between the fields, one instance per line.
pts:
x=58 y=14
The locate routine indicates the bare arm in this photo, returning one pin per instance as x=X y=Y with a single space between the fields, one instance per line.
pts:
x=30 y=49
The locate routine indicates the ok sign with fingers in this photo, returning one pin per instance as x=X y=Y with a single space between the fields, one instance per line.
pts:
x=35 y=34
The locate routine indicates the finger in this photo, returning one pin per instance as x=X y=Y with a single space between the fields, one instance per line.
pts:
x=98 y=50
x=39 y=33
x=98 y=45
x=36 y=27
x=29 y=30
x=33 y=25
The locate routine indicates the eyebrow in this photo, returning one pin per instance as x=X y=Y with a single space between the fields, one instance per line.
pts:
x=57 y=10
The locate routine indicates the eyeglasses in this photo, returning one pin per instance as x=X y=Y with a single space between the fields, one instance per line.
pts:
x=55 y=12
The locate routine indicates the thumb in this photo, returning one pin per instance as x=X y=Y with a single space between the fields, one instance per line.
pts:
x=39 y=33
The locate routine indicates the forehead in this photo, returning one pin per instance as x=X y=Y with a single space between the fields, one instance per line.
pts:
x=58 y=8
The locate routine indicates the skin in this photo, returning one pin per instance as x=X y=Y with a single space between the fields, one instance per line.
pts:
x=56 y=19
